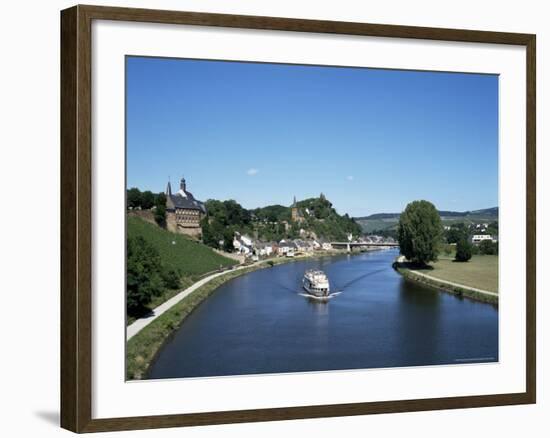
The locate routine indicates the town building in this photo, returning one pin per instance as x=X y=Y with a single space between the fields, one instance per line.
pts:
x=243 y=244
x=184 y=213
x=478 y=238
x=285 y=247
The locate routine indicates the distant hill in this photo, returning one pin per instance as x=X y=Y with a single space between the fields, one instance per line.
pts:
x=383 y=221
x=184 y=255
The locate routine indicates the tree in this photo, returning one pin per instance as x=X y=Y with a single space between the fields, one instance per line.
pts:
x=228 y=240
x=456 y=233
x=420 y=232
x=160 y=210
x=147 y=200
x=143 y=273
x=133 y=197
x=463 y=251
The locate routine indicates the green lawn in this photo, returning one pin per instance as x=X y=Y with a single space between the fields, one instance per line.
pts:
x=188 y=257
x=480 y=272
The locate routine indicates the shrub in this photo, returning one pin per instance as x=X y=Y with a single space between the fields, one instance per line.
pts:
x=488 y=247
x=463 y=251
x=171 y=279
x=160 y=215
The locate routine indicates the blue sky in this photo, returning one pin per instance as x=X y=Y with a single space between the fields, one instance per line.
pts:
x=370 y=140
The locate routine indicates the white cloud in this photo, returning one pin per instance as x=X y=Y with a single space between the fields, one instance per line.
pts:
x=252 y=171
x=349 y=178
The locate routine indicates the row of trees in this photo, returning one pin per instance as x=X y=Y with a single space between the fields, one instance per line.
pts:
x=420 y=234
x=138 y=200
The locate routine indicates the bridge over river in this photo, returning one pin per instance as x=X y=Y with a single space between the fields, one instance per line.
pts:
x=364 y=245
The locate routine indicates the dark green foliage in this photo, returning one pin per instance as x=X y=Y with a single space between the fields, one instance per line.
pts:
x=227 y=213
x=160 y=209
x=213 y=232
x=321 y=218
x=488 y=247
x=223 y=219
x=144 y=200
x=463 y=251
x=228 y=240
x=271 y=231
x=420 y=232
x=456 y=232
x=143 y=275
x=133 y=198
x=160 y=215
x=272 y=213
x=171 y=278
x=493 y=228
x=147 y=200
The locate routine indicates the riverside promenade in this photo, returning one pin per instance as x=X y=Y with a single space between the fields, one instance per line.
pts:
x=144 y=321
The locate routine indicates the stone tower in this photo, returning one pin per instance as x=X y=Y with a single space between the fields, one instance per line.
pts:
x=296 y=216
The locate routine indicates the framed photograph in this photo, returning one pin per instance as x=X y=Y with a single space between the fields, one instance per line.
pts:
x=271 y=218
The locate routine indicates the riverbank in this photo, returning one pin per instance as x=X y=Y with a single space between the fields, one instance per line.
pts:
x=414 y=274
x=145 y=342
x=144 y=345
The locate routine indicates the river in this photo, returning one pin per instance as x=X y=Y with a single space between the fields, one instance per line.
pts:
x=261 y=323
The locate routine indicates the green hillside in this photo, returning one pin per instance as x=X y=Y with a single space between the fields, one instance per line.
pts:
x=178 y=252
x=389 y=221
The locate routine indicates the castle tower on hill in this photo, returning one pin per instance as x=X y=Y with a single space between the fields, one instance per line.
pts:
x=296 y=215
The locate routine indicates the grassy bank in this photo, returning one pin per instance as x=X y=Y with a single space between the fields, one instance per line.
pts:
x=142 y=348
x=481 y=272
x=186 y=256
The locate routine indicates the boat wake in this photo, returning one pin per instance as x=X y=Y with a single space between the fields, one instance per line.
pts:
x=333 y=294
x=323 y=298
x=355 y=280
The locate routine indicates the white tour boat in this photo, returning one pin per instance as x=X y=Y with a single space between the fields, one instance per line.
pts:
x=316 y=283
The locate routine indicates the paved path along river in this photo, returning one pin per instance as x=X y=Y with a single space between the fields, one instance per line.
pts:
x=262 y=323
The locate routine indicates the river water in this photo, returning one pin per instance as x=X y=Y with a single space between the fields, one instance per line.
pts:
x=262 y=323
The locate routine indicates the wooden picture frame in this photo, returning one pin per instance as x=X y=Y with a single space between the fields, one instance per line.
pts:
x=76 y=218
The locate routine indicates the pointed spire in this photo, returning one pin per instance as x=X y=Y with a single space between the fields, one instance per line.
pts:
x=168 y=188
x=294 y=203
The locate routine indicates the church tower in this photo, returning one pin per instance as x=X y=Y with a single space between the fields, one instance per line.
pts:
x=295 y=214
